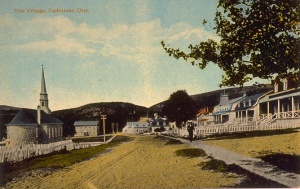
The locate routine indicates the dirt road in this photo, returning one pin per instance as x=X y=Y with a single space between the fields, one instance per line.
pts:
x=145 y=162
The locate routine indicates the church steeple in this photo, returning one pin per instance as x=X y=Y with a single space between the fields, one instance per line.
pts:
x=43 y=83
x=44 y=102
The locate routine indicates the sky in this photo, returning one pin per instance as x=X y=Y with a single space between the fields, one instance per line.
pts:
x=103 y=51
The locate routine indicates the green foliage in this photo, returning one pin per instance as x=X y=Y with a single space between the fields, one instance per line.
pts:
x=258 y=39
x=117 y=112
x=191 y=152
x=179 y=107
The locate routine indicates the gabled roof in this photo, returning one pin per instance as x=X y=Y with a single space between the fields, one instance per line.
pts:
x=253 y=97
x=235 y=100
x=205 y=110
x=86 y=123
x=29 y=117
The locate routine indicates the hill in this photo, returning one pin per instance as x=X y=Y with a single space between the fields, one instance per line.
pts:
x=211 y=99
x=121 y=112
x=116 y=112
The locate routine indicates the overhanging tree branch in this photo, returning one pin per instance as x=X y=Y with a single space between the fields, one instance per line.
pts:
x=266 y=33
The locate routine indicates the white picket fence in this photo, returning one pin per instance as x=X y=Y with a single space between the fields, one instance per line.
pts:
x=202 y=131
x=20 y=153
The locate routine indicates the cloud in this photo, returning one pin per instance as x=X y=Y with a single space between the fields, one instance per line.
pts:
x=138 y=42
x=59 y=43
x=145 y=77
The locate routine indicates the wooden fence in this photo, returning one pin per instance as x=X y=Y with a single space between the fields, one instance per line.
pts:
x=20 y=153
x=202 y=131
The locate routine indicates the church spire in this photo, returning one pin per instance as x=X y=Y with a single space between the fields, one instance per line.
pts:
x=43 y=83
x=44 y=102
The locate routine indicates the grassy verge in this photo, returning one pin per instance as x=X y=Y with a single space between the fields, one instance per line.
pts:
x=280 y=148
x=247 y=179
x=9 y=171
x=249 y=134
x=91 y=139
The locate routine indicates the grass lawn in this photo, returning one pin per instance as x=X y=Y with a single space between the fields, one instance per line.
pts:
x=286 y=142
x=247 y=179
x=91 y=139
x=279 y=148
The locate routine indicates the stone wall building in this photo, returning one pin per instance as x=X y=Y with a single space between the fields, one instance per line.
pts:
x=35 y=126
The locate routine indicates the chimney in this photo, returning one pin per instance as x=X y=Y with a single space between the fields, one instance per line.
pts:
x=224 y=99
x=39 y=115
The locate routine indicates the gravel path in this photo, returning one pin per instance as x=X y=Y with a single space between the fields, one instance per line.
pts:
x=145 y=162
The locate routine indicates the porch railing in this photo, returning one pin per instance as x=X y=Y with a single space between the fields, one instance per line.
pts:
x=291 y=114
x=268 y=119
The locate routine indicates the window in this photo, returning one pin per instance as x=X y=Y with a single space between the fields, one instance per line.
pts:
x=296 y=105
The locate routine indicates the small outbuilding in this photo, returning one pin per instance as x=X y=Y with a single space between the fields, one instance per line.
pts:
x=86 y=128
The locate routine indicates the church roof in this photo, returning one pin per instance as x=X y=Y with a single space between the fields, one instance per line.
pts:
x=29 y=117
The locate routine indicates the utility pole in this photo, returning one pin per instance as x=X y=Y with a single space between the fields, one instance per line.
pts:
x=103 y=117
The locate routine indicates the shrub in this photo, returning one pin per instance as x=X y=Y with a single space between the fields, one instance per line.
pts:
x=173 y=142
x=286 y=162
x=214 y=164
x=191 y=152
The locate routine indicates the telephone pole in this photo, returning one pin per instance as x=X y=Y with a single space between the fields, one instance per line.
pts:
x=103 y=117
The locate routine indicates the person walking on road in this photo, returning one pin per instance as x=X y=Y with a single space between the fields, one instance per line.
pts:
x=191 y=128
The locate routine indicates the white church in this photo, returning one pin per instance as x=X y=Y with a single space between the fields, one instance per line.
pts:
x=35 y=126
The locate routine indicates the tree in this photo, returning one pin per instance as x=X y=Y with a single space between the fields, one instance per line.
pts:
x=258 y=38
x=180 y=107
